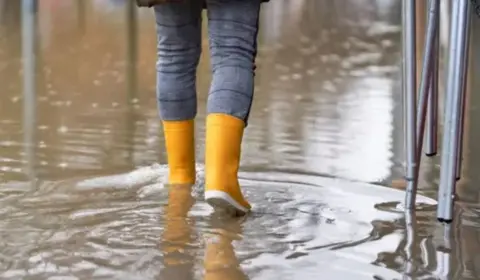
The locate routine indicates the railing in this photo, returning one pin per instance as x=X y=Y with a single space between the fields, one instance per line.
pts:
x=422 y=115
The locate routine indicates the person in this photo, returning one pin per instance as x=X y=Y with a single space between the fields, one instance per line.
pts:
x=232 y=28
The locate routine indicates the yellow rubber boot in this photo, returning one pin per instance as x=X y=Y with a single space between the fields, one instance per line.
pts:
x=222 y=159
x=180 y=146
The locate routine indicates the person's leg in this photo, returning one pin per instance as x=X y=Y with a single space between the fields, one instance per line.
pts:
x=233 y=28
x=179 y=48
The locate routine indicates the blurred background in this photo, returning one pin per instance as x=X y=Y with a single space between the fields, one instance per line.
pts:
x=82 y=154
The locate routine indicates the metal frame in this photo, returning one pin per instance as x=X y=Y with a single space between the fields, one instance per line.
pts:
x=416 y=114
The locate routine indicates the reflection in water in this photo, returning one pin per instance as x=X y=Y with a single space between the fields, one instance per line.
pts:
x=444 y=255
x=410 y=247
x=177 y=236
x=327 y=103
x=221 y=261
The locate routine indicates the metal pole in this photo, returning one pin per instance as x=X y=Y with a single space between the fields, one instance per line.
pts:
x=466 y=56
x=132 y=42
x=453 y=109
x=427 y=64
x=425 y=83
x=432 y=114
x=81 y=15
x=131 y=73
x=29 y=47
x=409 y=93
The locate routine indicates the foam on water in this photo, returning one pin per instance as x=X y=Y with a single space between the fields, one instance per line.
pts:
x=139 y=177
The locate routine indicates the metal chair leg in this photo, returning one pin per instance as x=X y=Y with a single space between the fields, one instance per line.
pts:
x=464 y=93
x=455 y=80
x=427 y=74
x=425 y=83
x=432 y=114
x=409 y=94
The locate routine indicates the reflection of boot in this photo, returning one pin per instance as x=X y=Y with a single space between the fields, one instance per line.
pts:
x=222 y=158
x=180 y=201
x=180 y=146
x=220 y=261
x=177 y=235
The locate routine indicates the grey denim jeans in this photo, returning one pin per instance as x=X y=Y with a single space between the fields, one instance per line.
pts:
x=232 y=29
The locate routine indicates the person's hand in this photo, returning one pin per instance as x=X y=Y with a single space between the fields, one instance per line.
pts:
x=150 y=3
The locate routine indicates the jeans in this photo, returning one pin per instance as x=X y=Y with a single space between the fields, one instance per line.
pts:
x=232 y=29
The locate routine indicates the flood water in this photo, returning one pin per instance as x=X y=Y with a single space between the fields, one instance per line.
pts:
x=82 y=172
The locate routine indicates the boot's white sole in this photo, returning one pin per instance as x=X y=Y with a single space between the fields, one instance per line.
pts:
x=223 y=201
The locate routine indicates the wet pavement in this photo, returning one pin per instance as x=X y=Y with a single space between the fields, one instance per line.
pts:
x=82 y=171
